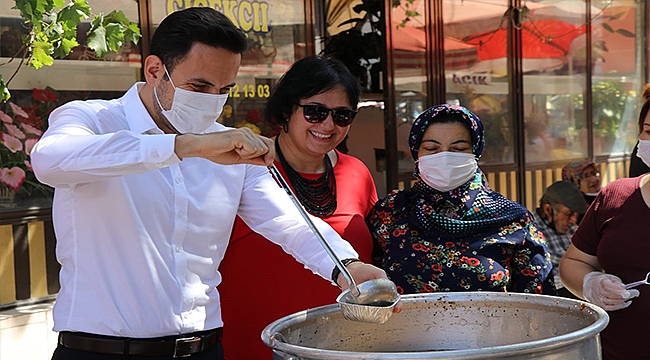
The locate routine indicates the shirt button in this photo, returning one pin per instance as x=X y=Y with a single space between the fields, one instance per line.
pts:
x=178 y=249
x=184 y=316
x=180 y=214
x=177 y=180
x=155 y=155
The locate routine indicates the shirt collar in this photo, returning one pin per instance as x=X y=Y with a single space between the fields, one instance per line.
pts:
x=137 y=116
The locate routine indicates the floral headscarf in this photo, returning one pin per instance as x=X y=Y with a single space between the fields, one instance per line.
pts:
x=420 y=125
x=572 y=172
x=472 y=206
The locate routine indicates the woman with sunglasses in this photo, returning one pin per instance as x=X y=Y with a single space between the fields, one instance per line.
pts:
x=450 y=231
x=314 y=103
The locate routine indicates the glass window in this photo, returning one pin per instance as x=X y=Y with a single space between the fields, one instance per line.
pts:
x=276 y=35
x=475 y=70
x=554 y=47
x=617 y=75
x=35 y=93
x=410 y=64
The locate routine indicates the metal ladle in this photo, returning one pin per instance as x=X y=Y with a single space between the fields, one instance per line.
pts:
x=283 y=184
x=378 y=297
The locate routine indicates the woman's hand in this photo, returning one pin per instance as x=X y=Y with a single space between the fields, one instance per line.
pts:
x=607 y=291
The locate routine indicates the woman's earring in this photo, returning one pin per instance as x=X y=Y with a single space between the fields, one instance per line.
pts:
x=285 y=126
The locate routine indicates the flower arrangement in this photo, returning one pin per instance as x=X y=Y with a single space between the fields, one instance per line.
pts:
x=20 y=129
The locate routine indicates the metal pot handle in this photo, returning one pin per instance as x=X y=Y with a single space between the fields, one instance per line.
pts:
x=277 y=336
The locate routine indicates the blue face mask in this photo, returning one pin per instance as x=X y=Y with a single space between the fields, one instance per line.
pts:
x=192 y=112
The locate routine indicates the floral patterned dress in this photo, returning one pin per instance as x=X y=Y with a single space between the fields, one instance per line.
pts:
x=468 y=239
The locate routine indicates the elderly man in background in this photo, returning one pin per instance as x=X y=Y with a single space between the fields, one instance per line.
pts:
x=557 y=215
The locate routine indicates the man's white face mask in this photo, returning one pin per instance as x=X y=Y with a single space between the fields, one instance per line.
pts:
x=445 y=171
x=192 y=112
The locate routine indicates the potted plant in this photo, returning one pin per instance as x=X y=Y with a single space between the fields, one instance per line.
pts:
x=20 y=128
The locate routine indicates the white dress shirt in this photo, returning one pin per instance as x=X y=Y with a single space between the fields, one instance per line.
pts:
x=140 y=233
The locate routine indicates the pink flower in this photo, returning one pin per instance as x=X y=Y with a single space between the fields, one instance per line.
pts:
x=15 y=131
x=29 y=145
x=6 y=118
x=11 y=143
x=31 y=130
x=29 y=165
x=13 y=177
x=18 y=110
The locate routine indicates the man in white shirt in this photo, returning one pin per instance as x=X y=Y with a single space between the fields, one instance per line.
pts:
x=147 y=189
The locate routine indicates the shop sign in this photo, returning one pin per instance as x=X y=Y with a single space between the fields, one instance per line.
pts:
x=472 y=79
x=247 y=15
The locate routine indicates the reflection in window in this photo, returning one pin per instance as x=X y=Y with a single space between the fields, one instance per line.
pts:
x=477 y=78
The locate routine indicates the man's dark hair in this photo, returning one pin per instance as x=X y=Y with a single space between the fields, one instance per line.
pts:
x=307 y=77
x=180 y=30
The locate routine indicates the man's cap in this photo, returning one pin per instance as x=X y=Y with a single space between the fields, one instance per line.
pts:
x=567 y=194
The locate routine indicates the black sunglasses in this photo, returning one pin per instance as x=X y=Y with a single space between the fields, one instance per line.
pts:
x=317 y=113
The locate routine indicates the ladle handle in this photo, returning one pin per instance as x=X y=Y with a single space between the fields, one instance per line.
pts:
x=283 y=184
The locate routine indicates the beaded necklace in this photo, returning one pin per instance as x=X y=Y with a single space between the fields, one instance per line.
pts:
x=318 y=196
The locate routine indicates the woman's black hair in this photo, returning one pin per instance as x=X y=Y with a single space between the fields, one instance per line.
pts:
x=180 y=30
x=307 y=77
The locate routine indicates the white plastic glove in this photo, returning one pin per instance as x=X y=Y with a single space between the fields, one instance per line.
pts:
x=607 y=291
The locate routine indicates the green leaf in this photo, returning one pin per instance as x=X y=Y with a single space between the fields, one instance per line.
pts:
x=114 y=36
x=64 y=48
x=617 y=15
x=42 y=6
x=53 y=33
x=625 y=33
x=4 y=91
x=82 y=6
x=116 y=16
x=607 y=27
x=25 y=9
x=97 y=41
x=133 y=33
x=600 y=44
x=71 y=16
x=41 y=51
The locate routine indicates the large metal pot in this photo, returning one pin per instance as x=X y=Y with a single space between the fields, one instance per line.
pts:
x=461 y=325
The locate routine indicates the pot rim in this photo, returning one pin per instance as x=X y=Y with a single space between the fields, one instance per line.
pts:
x=270 y=335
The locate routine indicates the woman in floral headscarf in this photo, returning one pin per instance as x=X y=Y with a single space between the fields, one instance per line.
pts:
x=450 y=231
x=583 y=174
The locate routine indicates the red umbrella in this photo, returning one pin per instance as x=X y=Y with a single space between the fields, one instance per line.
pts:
x=546 y=45
x=410 y=44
